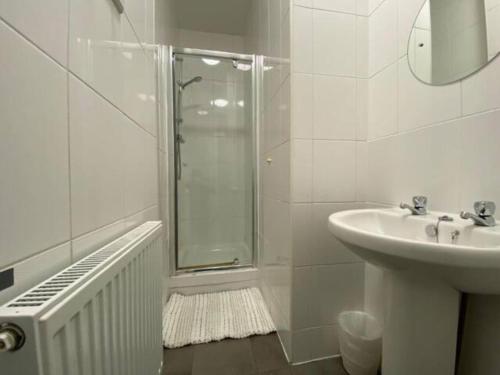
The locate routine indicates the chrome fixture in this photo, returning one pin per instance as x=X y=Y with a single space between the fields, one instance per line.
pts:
x=484 y=214
x=455 y=234
x=432 y=230
x=11 y=337
x=419 y=205
x=183 y=85
x=178 y=121
x=119 y=6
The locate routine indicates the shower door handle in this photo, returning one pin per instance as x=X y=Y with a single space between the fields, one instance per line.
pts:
x=178 y=142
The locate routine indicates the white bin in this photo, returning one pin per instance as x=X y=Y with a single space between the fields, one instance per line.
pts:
x=360 y=339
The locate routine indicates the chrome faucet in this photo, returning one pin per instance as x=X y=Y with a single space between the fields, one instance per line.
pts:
x=484 y=214
x=419 y=205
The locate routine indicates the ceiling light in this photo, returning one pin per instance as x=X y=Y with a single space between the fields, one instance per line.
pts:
x=241 y=103
x=221 y=103
x=242 y=66
x=202 y=112
x=211 y=62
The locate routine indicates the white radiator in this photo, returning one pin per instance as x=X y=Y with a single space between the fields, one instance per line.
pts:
x=100 y=316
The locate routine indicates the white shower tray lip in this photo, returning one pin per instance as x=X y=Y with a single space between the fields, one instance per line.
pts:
x=394 y=239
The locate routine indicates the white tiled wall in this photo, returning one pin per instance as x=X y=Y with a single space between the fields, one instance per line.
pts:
x=269 y=34
x=435 y=141
x=328 y=93
x=78 y=136
x=432 y=130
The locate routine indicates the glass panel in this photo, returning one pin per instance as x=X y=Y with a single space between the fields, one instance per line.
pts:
x=214 y=161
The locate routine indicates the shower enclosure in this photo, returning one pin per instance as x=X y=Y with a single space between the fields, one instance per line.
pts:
x=212 y=175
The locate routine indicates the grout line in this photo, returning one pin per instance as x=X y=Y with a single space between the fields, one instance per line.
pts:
x=67 y=68
x=38 y=253
x=112 y=223
x=74 y=75
x=68 y=108
x=318 y=265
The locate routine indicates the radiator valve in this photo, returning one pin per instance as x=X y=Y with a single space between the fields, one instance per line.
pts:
x=11 y=337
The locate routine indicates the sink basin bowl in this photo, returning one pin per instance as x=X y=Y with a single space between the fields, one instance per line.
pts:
x=425 y=276
x=395 y=239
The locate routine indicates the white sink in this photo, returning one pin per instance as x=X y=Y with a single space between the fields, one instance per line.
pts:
x=424 y=276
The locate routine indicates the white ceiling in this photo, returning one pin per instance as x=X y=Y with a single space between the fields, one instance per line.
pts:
x=214 y=16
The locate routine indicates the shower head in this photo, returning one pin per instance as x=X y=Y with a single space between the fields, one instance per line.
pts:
x=183 y=85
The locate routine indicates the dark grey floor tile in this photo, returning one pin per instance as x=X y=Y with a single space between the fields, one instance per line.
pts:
x=228 y=357
x=283 y=371
x=267 y=353
x=178 y=361
x=331 y=366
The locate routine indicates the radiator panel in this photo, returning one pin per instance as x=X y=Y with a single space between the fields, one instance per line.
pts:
x=109 y=324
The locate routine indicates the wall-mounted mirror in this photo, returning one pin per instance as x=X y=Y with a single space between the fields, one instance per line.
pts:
x=452 y=39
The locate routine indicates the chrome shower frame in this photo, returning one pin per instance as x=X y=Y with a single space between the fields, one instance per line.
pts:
x=167 y=61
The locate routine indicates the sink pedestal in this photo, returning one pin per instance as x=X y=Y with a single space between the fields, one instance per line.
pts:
x=421 y=323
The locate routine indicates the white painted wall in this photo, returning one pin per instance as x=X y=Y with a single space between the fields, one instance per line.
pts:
x=212 y=41
x=165 y=22
x=78 y=136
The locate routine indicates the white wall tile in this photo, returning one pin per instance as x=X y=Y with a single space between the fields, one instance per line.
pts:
x=481 y=91
x=302 y=105
x=383 y=40
x=34 y=150
x=479 y=179
x=432 y=152
x=304 y=306
x=334 y=43
x=139 y=87
x=338 y=288
x=141 y=177
x=420 y=104
x=304 y=3
x=362 y=58
x=141 y=15
x=347 y=6
x=95 y=53
x=362 y=111
x=383 y=96
x=320 y=293
x=276 y=175
x=302 y=235
x=325 y=341
x=302 y=35
x=36 y=269
x=408 y=11
x=334 y=171
x=301 y=345
x=334 y=108
x=149 y=214
x=43 y=22
x=302 y=162
x=326 y=249
x=86 y=244
x=97 y=166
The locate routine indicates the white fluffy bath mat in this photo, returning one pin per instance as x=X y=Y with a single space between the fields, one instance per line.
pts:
x=209 y=317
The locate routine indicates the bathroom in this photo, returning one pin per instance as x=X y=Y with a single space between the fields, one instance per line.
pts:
x=274 y=163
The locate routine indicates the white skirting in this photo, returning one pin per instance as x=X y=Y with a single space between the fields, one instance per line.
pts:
x=202 y=318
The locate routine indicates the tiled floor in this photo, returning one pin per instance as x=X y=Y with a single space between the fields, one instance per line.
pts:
x=257 y=355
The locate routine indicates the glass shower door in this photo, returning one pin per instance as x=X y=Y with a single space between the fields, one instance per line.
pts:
x=214 y=152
